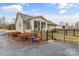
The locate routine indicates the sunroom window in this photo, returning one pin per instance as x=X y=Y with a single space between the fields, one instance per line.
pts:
x=43 y=25
x=28 y=26
x=37 y=25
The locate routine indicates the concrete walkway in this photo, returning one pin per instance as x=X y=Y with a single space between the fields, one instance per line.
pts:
x=8 y=48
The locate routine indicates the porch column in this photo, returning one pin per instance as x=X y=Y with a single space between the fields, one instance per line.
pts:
x=40 y=26
x=32 y=24
x=46 y=26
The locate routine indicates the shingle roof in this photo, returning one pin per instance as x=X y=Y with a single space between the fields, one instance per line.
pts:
x=50 y=22
x=24 y=16
x=37 y=17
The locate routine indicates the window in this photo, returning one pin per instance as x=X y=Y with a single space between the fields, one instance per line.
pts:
x=43 y=25
x=28 y=26
x=37 y=25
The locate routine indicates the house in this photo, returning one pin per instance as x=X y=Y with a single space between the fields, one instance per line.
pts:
x=27 y=23
x=51 y=25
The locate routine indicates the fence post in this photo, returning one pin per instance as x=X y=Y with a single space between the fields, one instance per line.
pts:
x=41 y=34
x=47 y=35
x=52 y=34
x=73 y=32
x=66 y=31
x=64 y=35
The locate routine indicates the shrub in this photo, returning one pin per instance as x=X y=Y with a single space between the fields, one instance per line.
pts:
x=36 y=35
x=14 y=34
x=20 y=36
x=27 y=35
x=10 y=26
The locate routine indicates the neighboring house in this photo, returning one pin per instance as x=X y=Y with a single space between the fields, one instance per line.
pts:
x=27 y=23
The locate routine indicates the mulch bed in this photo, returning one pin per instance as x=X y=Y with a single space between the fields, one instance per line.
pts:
x=24 y=38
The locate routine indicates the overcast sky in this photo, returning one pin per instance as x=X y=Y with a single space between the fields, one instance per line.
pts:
x=56 y=12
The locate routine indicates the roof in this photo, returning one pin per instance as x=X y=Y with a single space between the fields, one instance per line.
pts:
x=38 y=17
x=24 y=16
x=50 y=22
x=27 y=17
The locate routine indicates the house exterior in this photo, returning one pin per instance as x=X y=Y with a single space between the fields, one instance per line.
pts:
x=51 y=25
x=27 y=23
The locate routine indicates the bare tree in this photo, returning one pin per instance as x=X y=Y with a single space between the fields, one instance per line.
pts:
x=14 y=19
x=2 y=22
x=61 y=23
x=77 y=25
x=72 y=26
x=67 y=25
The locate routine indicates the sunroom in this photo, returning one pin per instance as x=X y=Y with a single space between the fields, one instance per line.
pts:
x=32 y=25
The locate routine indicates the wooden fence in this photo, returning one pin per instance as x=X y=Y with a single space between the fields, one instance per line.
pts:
x=65 y=35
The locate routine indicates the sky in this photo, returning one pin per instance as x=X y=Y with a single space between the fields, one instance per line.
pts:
x=55 y=12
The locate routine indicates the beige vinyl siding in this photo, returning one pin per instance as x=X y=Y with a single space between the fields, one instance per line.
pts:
x=39 y=19
x=19 y=24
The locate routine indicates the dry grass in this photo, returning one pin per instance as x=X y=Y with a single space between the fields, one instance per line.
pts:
x=68 y=38
x=60 y=36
